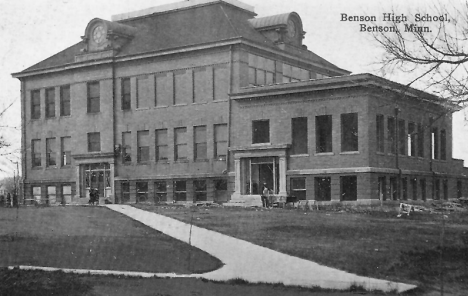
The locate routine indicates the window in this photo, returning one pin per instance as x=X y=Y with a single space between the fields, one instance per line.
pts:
x=349 y=132
x=161 y=144
x=142 y=96
x=393 y=188
x=260 y=131
x=202 y=88
x=142 y=191
x=65 y=109
x=182 y=87
x=445 y=189
x=93 y=97
x=66 y=194
x=180 y=143
x=66 y=150
x=180 y=191
x=220 y=141
x=37 y=194
x=294 y=74
x=126 y=94
x=160 y=193
x=420 y=141
x=443 y=145
x=459 y=189
x=298 y=188
x=380 y=133
x=404 y=188
x=299 y=136
x=200 y=190
x=199 y=144
x=50 y=102
x=411 y=139
x=125 y=192
x=348 y=188
x=51 y=152
x=436 y=189
x=382 y=188
x=220 y=184
x=422 y=184
x=35 y=104
x=391 y=134
x=323 y=133
x=127 y=147
x=220 y=82
x=163 y=89
x=94 y=142
x=143 y=146
x=435 y=143
x=323 y=188
x=261 y=70
x=414 y=187
x=51 y=194
x=36 y=153
x=401 y=137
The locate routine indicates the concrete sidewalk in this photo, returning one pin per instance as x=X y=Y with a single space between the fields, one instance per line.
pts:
x=244 y=260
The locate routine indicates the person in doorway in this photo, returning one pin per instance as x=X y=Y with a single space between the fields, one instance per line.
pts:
x=265 y=193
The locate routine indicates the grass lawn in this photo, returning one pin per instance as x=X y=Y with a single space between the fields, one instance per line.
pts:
x=367 y=241
x=92 y=238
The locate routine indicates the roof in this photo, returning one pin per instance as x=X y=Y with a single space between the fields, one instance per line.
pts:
x=179 y=29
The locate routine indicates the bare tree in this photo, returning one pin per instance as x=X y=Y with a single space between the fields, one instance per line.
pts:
x=431 y=49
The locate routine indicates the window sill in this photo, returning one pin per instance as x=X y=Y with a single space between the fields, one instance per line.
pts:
x=201 y=160
x=219 y=101
x=162 y=161
x=324 y=154
x=161 y=107
x=349 y=153
x=65 y=116
x=261 y=144
x=141 y=109
x=299 y=155
x=179 y=105
x=38 y=168
x=181 y=161
x=51 y=167
x=200 y=103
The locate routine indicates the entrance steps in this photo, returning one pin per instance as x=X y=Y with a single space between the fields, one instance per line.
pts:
x=244 y=201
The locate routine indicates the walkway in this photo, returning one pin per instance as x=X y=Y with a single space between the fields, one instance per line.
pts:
x=255 y=264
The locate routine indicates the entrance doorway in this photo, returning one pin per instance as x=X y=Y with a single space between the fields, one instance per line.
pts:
x=259 y=171
x=97 y=175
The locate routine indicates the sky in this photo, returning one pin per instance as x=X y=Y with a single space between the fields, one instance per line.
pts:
x=33 y=30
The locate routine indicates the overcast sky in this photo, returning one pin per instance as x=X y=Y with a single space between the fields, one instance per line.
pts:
x=34 y=30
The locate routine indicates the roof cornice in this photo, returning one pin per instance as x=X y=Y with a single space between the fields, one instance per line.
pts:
x=363 y=80
x=189 y=48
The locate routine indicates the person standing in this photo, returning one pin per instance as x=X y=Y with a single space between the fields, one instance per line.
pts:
x=265 y=193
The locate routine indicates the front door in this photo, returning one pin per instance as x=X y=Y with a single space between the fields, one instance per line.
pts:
x=97 y=176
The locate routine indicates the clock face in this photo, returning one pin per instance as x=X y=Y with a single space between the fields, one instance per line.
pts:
x=291 y=28
x=99 y=34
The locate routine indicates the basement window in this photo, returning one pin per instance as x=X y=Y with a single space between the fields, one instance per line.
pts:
x=348 y=188
x=298 y=188
x=142 y=191
x=160 y=191
x=180 y=190
x=323 y=188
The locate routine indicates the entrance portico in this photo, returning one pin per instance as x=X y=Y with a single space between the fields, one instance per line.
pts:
x=258 y=165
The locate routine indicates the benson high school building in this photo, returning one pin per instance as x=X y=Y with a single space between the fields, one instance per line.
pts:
x=203 y=101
